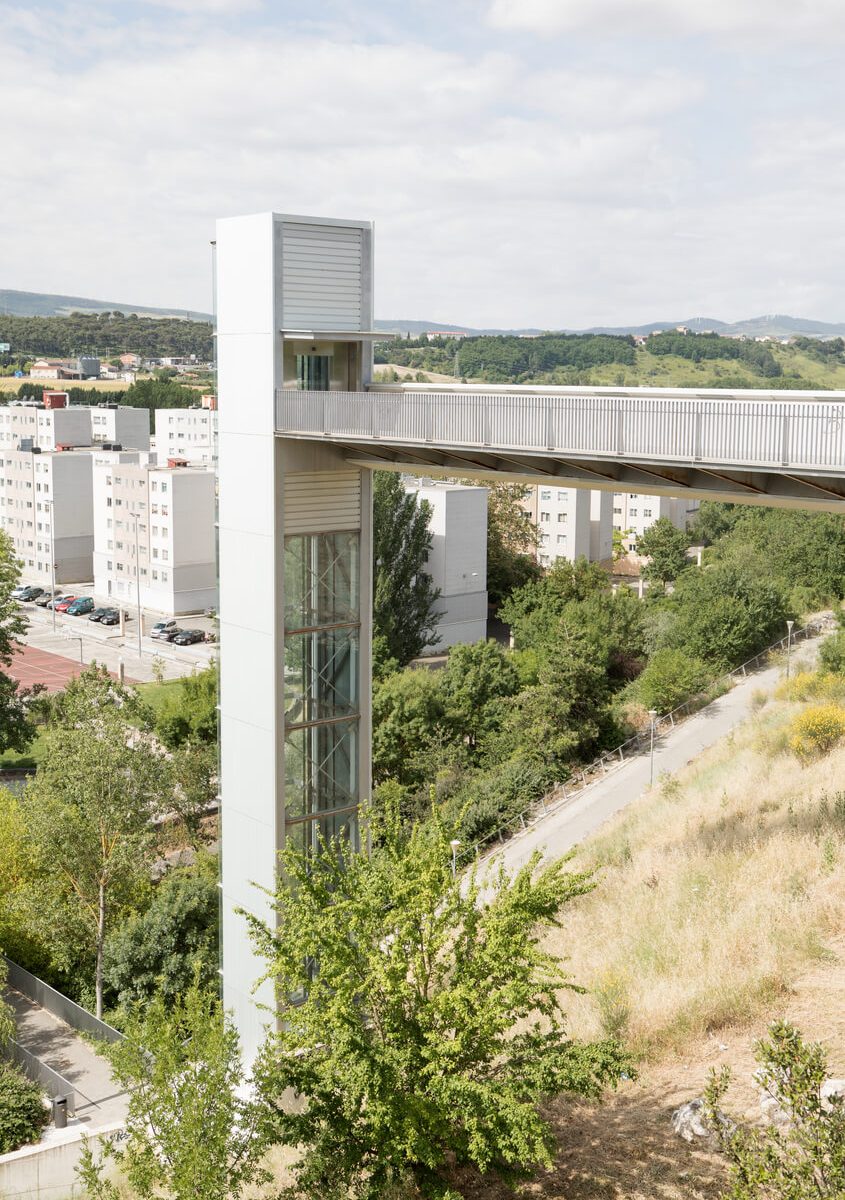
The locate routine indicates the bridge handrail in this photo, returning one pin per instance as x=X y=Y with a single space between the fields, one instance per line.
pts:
x=563 y=794
x=746 y=432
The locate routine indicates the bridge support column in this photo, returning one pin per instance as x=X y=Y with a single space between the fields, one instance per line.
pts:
x=295 y=593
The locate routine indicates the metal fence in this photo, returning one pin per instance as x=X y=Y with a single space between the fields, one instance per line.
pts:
x=50 y=1081
x=611 y=760
x=747 y=432
x=59 y=1005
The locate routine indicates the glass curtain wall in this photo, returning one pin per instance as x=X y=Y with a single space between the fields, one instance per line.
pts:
x=322 y=701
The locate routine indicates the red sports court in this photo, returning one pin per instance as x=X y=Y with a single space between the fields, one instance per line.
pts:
x=31 y=665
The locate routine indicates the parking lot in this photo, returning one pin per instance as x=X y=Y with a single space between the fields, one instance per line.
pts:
x=82 y=641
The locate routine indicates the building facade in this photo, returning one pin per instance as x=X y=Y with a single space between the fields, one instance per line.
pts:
x=457 y=561
x=154 y=534
x=189 y=433
x=635 y=512
x=46 y=507
x=118 y=424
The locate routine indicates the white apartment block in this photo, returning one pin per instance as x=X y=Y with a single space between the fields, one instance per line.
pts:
x=154 y=528
x=457 y=561
x=563 y=518
x=116 y=424
x=188 y=433
x=46 y=508
x=47 y=428
x=635 y=512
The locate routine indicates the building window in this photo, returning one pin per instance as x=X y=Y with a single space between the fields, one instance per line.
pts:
x=545 y=495
x=617 y=512
x=561 y=539
x=632 y=512
x=544 y=516
x=322 y=705
x=646 y=512
x=562 y=518
x=562 y=495
x=313 y=372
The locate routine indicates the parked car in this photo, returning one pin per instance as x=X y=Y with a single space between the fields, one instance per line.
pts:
x=99 y=613
x=80 y=606
x=187 y=637
x=28 y=594
x=20 y=592
x=44 y=599
x=164 y=630
x=61 y=602
x=111 y=616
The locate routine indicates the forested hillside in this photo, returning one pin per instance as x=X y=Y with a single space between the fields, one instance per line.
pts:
x=105 y=335
x=665 y=360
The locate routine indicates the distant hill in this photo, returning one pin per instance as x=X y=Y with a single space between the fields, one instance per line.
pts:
x=772 y=325
x=45 y=304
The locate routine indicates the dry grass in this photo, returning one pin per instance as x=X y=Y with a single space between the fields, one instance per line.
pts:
x=716 y=891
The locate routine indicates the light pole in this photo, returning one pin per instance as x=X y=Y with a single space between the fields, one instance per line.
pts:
x=789 y=625
x=455 y=843
x=50 y=509
x=134 y=517
x=652 y=712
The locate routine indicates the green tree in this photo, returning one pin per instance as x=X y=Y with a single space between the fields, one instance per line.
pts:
x=666 y=547
x=404 y=597
x=832 y=654
x=195 y=786
x=669 y=679
x=15 y=726
x=89 y=814
x=476 y=676
x=194 y=1129
x=512 y=539
x=173 y=942
x=432 y=1031
x=189 y=713
x=408 y=716
x=534 y=610
x=803 y=1160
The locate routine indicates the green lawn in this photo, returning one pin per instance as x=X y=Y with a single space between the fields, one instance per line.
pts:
x=155 y=694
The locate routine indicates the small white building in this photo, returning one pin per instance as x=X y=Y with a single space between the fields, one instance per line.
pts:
x=186 y=433
x=30 y=425
x=116 y=423
x=634 y=513
x=563 y=516
x=457 y=561
x=155 y=526
x=46 y=508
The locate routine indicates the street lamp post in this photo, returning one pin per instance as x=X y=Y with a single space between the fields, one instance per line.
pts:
x=455 y=843
x=137 y=581
x=652 y=712
x=789 y=625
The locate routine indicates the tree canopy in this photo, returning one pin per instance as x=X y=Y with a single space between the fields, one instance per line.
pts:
x=404 y=596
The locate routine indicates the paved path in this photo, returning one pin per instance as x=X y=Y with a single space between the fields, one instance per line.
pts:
x=556 y=834
x=57 y=1045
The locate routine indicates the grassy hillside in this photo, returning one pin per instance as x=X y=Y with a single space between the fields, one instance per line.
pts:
x=800 y=370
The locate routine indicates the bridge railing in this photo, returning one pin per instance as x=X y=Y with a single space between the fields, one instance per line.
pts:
x=771 y=433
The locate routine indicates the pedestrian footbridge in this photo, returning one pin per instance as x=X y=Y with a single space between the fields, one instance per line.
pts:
x=775 y=447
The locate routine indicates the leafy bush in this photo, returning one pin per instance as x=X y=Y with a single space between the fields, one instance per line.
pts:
x=806 y=1158
x=22 y=1112
x=670 y=678
x=832 y=654
x=817 y=730
x=489 y=799
x=172 y=944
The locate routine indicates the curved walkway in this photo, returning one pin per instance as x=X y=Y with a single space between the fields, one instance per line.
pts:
x=557 y=833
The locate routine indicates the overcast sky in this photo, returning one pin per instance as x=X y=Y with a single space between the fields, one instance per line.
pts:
x=551 y=163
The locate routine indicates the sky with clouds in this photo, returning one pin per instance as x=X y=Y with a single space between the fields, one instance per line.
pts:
x=551 y=163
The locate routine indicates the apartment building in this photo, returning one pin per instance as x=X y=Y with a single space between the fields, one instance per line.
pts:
x=635 y=512
x=23 y=426
x=186 y=433
x=113 y=423
x=457 y=561
x=46 y=507
x=154 y=528
x=563 y=518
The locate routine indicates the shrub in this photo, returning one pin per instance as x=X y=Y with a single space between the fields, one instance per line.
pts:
x=670 y=678
x=816 y=731
x=832 y=653
x=801 y=686
x=22 y=1112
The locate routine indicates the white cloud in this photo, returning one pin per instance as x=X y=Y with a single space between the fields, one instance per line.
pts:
x=504 y=192
x=783 y=19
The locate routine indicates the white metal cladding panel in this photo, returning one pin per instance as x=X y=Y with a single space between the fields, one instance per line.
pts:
x=746 y=432
x=322 y=277
x=322 y=502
